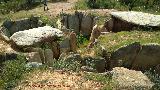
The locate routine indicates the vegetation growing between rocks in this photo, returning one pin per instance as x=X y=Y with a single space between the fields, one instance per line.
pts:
x=106 y=80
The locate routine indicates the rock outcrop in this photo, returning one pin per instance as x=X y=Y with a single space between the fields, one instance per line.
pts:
x=126 y=79
x=34 y=36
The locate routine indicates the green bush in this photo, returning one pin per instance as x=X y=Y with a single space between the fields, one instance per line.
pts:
x=12 y=72
x=138 y=5
x=82 y=40
x=8 y=6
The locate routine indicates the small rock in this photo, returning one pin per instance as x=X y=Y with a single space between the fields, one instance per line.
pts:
x=33 y=65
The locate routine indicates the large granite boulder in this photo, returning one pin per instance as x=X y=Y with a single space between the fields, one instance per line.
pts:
x=34 y=36
x=126 y=79
x=126 y=20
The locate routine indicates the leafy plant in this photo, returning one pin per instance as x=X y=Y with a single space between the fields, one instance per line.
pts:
x=81 y=39
x=12 y=72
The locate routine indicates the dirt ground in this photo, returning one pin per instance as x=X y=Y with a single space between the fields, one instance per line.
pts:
x=57 y=80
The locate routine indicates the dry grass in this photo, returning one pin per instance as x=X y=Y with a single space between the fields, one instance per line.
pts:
x=57 y=80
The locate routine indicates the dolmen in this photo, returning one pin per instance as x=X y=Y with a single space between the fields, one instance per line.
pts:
x=126 y=20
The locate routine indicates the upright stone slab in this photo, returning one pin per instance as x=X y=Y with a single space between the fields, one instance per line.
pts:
x=87 y=24
x=48 y=57
x=73 y=42
x=56 y=50
x=73 y=23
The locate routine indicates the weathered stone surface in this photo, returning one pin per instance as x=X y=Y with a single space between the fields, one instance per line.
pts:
x=73 y=42
x=126 y=79
x=97 y=63
x=109 y=25
x=148 y=57
x=56 y=50
x=33 y=57
x=78 y=22
x=33 y=65
x=138 y=18
x=136 y=56
x=73 y=23
x=65 y=43
x=48 y=56
x=124 y=56
x=87 y=25
x=36 y=35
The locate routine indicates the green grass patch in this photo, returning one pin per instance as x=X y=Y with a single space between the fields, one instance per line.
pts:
x=114 y=41
x=81 y=4
x=106 y=80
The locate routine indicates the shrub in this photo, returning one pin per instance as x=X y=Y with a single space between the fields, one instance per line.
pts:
x=82 y=40
x=138 y=5
x=16 y=5
x=12 y=72
x=155 y=78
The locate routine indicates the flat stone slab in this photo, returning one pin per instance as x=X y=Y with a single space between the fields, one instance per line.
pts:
x=36 y=35
x=139 y=18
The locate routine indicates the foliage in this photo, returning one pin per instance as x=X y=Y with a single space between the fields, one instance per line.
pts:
x=49 y=20
x=154 y=77
x=82 y=40
x=81 y=4
x=138 y=5
x=12 y=72
x=72 y=65
x=8 y=6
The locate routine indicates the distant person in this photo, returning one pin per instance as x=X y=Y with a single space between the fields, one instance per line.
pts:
x=45 y=5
